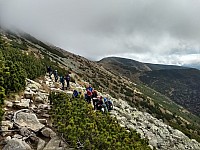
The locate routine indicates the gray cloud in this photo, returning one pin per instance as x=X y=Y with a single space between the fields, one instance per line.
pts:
x=151 y=31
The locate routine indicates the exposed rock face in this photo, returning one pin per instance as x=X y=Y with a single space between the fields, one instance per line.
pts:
x=47 y=132
x=23 y=103
x=16 y=144
x=160 y=135
x=25 y=123
x=28 y=120
x=41 y=144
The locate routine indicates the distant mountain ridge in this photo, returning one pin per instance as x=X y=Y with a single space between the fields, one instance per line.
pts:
x=181 y=84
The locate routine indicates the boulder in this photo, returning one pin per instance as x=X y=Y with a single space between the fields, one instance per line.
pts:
x=43 y=121
x=24 y=131
x=8 y=104
x=54 y=144
x=28 y=95
x=33 y=87
x=17 y=136
x=24 y=103
x=44 y=107
x=39 y=99
x=4 y=129
x=16 y=144
x=47 y=132
x=8 y=138
x=7 y=123
x=41 y=144
x=33 y=83
x=28 y=120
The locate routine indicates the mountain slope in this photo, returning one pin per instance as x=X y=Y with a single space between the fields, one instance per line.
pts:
x=105 y=81
x=180 y=84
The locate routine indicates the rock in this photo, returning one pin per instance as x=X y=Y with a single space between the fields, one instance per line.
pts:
x=33 y=87
x=33 y=83
x=4 y=129
x=47 y=132
x=28 y=95
x=41 y=144
x=43 y=121
x=39 y=99
x=17 y=136
x=8 y=104
x=28 y=120
x=8 y=138
x=69 y=93
x=24 y=131
x=45 y=115
x=54 y=144
x=24 y=103
x=7 y=123
x=44 y=107
x=16 y=144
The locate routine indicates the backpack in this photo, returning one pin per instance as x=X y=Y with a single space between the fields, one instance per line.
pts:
x=67 y=78
x=61 y=79
x=75 y=93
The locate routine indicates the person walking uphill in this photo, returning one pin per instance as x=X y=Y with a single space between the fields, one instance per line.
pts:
x=55 y=73
x=67 y=78
x=49 y=71
x=62 y=81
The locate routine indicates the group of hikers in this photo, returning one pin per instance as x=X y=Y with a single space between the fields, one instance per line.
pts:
x=62 y=78
x=99 y=103
x=91 y=95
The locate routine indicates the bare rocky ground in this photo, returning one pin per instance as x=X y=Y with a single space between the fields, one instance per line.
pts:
x=27 y=124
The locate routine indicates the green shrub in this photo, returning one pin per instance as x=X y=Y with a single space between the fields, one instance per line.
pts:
x=82 y=127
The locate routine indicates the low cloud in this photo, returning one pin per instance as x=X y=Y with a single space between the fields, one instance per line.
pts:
x=150 y=31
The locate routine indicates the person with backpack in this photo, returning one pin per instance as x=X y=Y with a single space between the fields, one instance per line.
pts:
x=75 y=94
x=55 y=75
x=49 y=71
x=89 y=96
x=94 y=98
x=109 y=104
x=62 y=81
x=67 y=78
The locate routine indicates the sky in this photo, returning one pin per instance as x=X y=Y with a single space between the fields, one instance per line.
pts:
x=153 y=31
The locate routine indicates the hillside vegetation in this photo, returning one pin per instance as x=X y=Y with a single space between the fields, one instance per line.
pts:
x=117 y=85
x=81 y=127
x=182 y=86
x=181 y=82
x=96 y=131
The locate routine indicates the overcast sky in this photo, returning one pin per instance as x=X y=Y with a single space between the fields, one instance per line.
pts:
x=156 y=31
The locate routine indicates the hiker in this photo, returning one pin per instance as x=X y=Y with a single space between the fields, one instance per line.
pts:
x=75 y=94
x=94 y=98
x=55 y=73
x=67 y=78
x=94 y=94
x=49 y=70
x=109 y=104
x=89 y=96
x=89 y=87
x=99 y=103
x=62 y=81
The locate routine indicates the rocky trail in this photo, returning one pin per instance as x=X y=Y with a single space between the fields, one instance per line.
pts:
x=27 y=124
